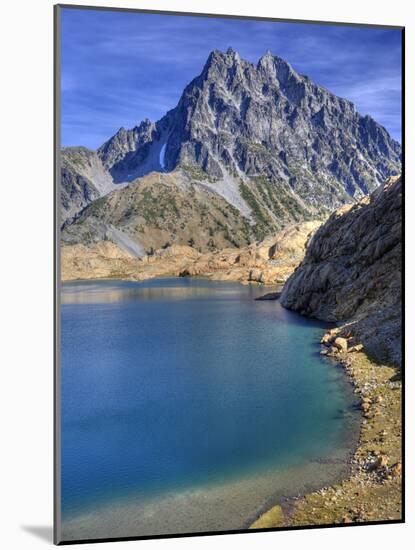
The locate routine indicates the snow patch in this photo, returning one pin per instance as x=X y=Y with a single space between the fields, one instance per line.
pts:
x=162 y=157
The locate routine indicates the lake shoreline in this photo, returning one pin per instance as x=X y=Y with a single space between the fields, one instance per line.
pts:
x=245 y=499
x=225 y=276
x=271 y=260
x=373 y=490
x=193 y=510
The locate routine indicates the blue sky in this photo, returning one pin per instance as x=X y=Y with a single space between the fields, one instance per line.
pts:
x=121 y=67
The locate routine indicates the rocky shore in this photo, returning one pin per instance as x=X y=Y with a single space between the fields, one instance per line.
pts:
x=373 y=491
x=270 y=261
x=351 y=275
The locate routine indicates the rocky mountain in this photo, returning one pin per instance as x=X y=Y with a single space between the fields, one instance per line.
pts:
x=352 y=269
x=239 y=119
x=258 y=135
x=83 y=179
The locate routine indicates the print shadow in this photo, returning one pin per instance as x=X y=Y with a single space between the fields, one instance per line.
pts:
x=43 y=532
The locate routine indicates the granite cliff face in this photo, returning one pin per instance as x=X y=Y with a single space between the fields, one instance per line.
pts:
x=261 y=136
x=351 y=272
x=240 y=119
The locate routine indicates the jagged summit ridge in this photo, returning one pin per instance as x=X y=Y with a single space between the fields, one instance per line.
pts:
x=236 y=115
x=238 y=121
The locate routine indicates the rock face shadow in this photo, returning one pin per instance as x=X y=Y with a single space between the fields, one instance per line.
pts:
x=43 y=532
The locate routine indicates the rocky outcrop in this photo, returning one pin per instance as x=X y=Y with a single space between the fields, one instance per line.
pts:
x=83 y=180
x=351 y=272
x=77 y=190
x=105 y=260
x=127 y=148
x=270 y=261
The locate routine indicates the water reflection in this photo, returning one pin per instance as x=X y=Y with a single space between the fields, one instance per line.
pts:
x=92 y=292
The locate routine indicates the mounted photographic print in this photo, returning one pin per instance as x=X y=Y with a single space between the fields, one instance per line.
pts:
x=228 y=274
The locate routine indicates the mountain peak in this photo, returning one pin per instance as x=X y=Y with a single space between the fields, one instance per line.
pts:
x=230 y=52
x=214 y=56
x=267 y=107
x=262 y=124
x=145 y=124
x=267 y=55
x=266 y=61
x=217 y=58
x=277 y=67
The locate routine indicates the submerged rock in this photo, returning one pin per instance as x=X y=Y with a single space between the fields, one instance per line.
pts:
x=269 y=296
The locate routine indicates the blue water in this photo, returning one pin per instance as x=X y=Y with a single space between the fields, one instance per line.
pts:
x=176 y=383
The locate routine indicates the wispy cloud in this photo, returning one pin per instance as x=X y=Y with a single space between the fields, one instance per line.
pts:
x=118 y=67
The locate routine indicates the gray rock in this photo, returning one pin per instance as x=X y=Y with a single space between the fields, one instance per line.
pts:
x=293 y=148
x=352 y=272
x=269 y=296
x=263 y=120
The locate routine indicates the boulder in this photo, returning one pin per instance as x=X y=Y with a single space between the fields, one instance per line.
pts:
x=256 y=276
x=357 y=347
x=332 y=351
x=327 y=338
x=365 y=407
x=396 y=469
x=381 y=462
x=340 y=343
x=347 y=519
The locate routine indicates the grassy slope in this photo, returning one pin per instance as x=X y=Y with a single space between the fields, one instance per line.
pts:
x=175 y=208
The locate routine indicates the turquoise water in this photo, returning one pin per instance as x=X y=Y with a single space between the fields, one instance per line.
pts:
x=177 y=383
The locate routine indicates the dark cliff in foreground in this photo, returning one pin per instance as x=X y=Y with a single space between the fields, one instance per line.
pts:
x=351 y=272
